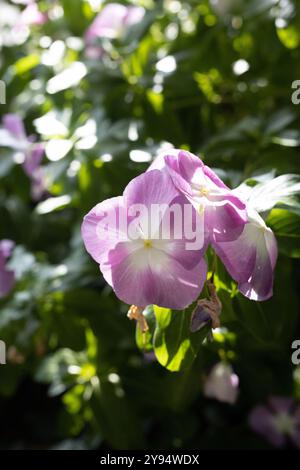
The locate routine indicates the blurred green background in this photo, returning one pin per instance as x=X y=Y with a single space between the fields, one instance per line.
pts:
x=213 y=77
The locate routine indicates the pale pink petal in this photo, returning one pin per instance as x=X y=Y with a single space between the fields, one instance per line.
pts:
x=224 y=222
x=222 y=384
x=153 y=187
x=33 y=159
x=251 y=259
x=214 y=177
x=148 y=197
x=281 y=404
x=38 y=184
x=112 y=20
x=6 y=248
x=225 y=214
x=182 y=169
x=260 y=284
x=261 y=421
x=32 y=16
x=133 y=15
x=108 y=23
x=101 y=230
x=14 y=124
x=7 y=281
x=153 y=278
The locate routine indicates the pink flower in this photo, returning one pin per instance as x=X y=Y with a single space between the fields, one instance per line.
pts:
x=238 y=234
x=278 y=421
x=32 y=16
x=13 y=135
x=113 y=19
x=141 y=264
x=139 y=268
x=7 y=277
x=224 y=213
x=222 y=383
x=29 y=16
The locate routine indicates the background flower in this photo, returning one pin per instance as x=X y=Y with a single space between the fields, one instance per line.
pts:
x=112 y=21
x=277 y=422
x=222 y=383
x=13 y=135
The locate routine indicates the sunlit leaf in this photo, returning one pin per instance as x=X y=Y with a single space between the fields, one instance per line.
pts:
x=174 y=345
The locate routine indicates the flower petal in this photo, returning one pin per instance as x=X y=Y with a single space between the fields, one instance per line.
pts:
x=260 y=420
x=222 y=384
x=214 y=177
x=224 y=222
x=6 y=247
x=152 y=187
x=148 y=198
x=112 y=19
x=7 y=280
x=251 y=259
x=225 y=212
x=281 y=404
x=260 y=285
x=14 y=124
x=101 y=230
x=159 y=161
x=143 y=278
x=33 y=159
x=183 y=169
x=108 y=22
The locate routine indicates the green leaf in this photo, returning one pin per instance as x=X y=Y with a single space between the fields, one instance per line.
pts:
x=25 y=64
x=174 y=345
x=284 y=223
x=6 y=164
x=286 y=226
x=116 y=417
x=268 y=325
x=279 y=121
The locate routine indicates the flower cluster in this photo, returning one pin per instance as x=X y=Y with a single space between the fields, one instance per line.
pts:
x=147 y=264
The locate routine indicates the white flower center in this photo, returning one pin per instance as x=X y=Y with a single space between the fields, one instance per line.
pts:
x=203 y=191
x=284 y=423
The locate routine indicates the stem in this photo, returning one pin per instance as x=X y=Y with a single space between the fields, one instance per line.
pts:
x=214 y=266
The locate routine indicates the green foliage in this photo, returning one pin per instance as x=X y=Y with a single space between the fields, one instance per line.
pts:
x=78 y=374
x=175 y=345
